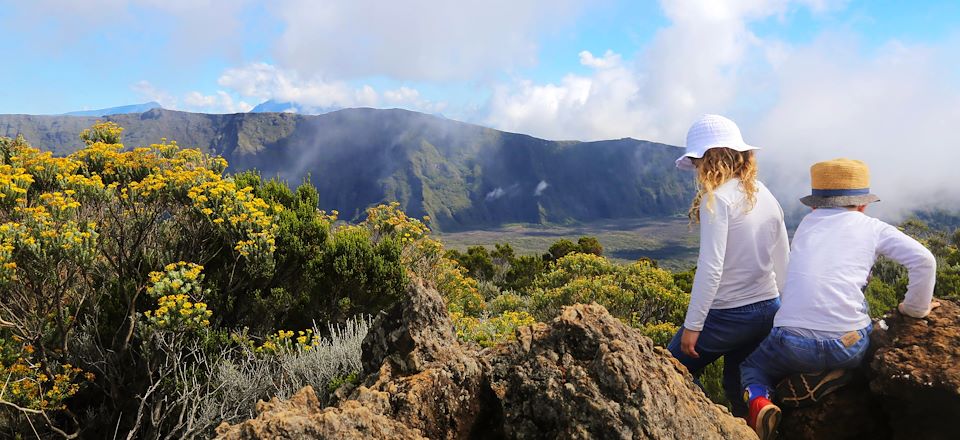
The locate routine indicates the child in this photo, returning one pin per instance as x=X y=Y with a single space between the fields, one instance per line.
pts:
x=822 y=324
x=743 y=255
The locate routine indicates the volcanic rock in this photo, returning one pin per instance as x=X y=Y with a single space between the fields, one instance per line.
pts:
x=584 y=375
x=908 y=387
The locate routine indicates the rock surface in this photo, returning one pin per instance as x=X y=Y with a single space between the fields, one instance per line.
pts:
x=908 y=387
x=587 y=375
x=584 y=375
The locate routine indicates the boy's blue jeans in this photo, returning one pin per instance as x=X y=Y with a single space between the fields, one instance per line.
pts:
x=783 y=353
x=731 y=333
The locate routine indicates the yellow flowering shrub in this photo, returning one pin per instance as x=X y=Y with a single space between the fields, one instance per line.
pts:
x=77 y=233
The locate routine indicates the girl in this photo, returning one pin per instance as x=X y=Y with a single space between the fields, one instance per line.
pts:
x=743 y=255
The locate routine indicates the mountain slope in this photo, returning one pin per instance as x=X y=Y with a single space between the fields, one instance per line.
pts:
x=462 y=175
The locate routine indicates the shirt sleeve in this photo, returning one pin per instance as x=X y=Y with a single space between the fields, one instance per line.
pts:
x=781 y=253
x=920 y=264
x=713 y=247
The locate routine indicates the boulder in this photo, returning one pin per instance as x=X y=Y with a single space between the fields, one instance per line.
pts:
x=587 y=375
x=584 y=375
x=907 y=388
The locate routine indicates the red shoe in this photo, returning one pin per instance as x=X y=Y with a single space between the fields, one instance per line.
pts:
x=764 y=417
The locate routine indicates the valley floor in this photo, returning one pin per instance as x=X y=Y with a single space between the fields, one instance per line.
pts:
x=668 y=240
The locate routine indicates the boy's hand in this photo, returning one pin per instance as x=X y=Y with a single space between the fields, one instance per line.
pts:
x=933 y=305
x=688 y=343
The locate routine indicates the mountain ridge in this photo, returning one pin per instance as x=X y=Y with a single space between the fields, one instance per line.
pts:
x=462 y=175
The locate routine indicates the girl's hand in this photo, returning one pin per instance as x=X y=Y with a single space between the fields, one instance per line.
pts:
x=688 y=343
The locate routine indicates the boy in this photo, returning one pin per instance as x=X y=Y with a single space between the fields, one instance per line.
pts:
x=822 y=324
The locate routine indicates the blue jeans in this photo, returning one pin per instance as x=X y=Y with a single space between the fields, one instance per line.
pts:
x=783 y=353
x=731 y=333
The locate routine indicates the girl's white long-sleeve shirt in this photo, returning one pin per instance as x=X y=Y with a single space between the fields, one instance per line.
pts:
x=743 y=254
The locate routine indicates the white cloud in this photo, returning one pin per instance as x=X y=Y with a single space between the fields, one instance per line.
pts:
x=418 y=39
x=607 y=61
x=149 y=92
x=598 y=106
x=264 y=81
x=543 y=185
x=221 y=102
x=895 y=109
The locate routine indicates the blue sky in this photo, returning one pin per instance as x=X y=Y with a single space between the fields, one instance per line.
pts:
x=807 y=80
x=113 y=52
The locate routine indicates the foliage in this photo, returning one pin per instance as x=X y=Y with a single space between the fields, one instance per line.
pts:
x=287 y=362
x=637 y=293
x=492 y=330
x=124 y=272
x=888 y=282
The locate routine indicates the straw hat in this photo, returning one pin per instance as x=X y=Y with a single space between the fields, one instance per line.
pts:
x=839 y=182
x=711 y=131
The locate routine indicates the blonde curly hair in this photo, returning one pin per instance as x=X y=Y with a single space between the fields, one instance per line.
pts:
x=717 y=166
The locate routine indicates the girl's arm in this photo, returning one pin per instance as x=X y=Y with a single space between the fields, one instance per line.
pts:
x=713 y=247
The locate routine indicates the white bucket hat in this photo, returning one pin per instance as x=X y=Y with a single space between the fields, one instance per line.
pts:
x=711 y=131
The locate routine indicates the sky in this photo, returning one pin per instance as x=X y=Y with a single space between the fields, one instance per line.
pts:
x=806 y=80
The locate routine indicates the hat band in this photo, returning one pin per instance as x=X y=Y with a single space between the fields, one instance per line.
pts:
x=840 y=192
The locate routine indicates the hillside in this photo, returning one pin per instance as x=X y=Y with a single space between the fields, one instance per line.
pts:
x=461 y=175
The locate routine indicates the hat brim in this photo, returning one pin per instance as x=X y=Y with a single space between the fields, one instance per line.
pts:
x=838 y=201
x=685 y=162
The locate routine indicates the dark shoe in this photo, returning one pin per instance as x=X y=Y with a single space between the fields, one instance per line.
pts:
x=764 y=418
x=800 y=390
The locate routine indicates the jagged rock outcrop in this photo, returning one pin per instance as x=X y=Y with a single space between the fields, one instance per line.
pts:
x=584 y=375
x=587 y=375
x=907 y=388
x=419 y=383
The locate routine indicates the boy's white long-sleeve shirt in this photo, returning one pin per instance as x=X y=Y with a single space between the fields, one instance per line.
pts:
x=743 y=255
x=832 y=255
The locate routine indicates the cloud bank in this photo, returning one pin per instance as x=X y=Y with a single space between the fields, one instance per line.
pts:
x=895 y=107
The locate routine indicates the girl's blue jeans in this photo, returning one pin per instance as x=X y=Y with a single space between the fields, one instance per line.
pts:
x=783 y=353
x=733 y=334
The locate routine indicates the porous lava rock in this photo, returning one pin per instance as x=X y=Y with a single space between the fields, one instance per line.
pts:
x=584 y=375
x=908 y=388
x=587 y=375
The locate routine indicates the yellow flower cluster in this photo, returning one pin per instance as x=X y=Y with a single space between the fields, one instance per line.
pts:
x=14 y=182
x=27 y=385
x=177 y=311
x=222 y=203
x=391 y=220
x=179 y=294
x=285 y=341
x=109 y=132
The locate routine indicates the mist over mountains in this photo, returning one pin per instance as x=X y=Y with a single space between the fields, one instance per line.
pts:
x=461 y=175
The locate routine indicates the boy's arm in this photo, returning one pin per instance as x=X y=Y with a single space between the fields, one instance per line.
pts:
x=713 y=247
x=920 y=264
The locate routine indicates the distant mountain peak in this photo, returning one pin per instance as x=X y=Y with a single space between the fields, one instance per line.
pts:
x=124 y=109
